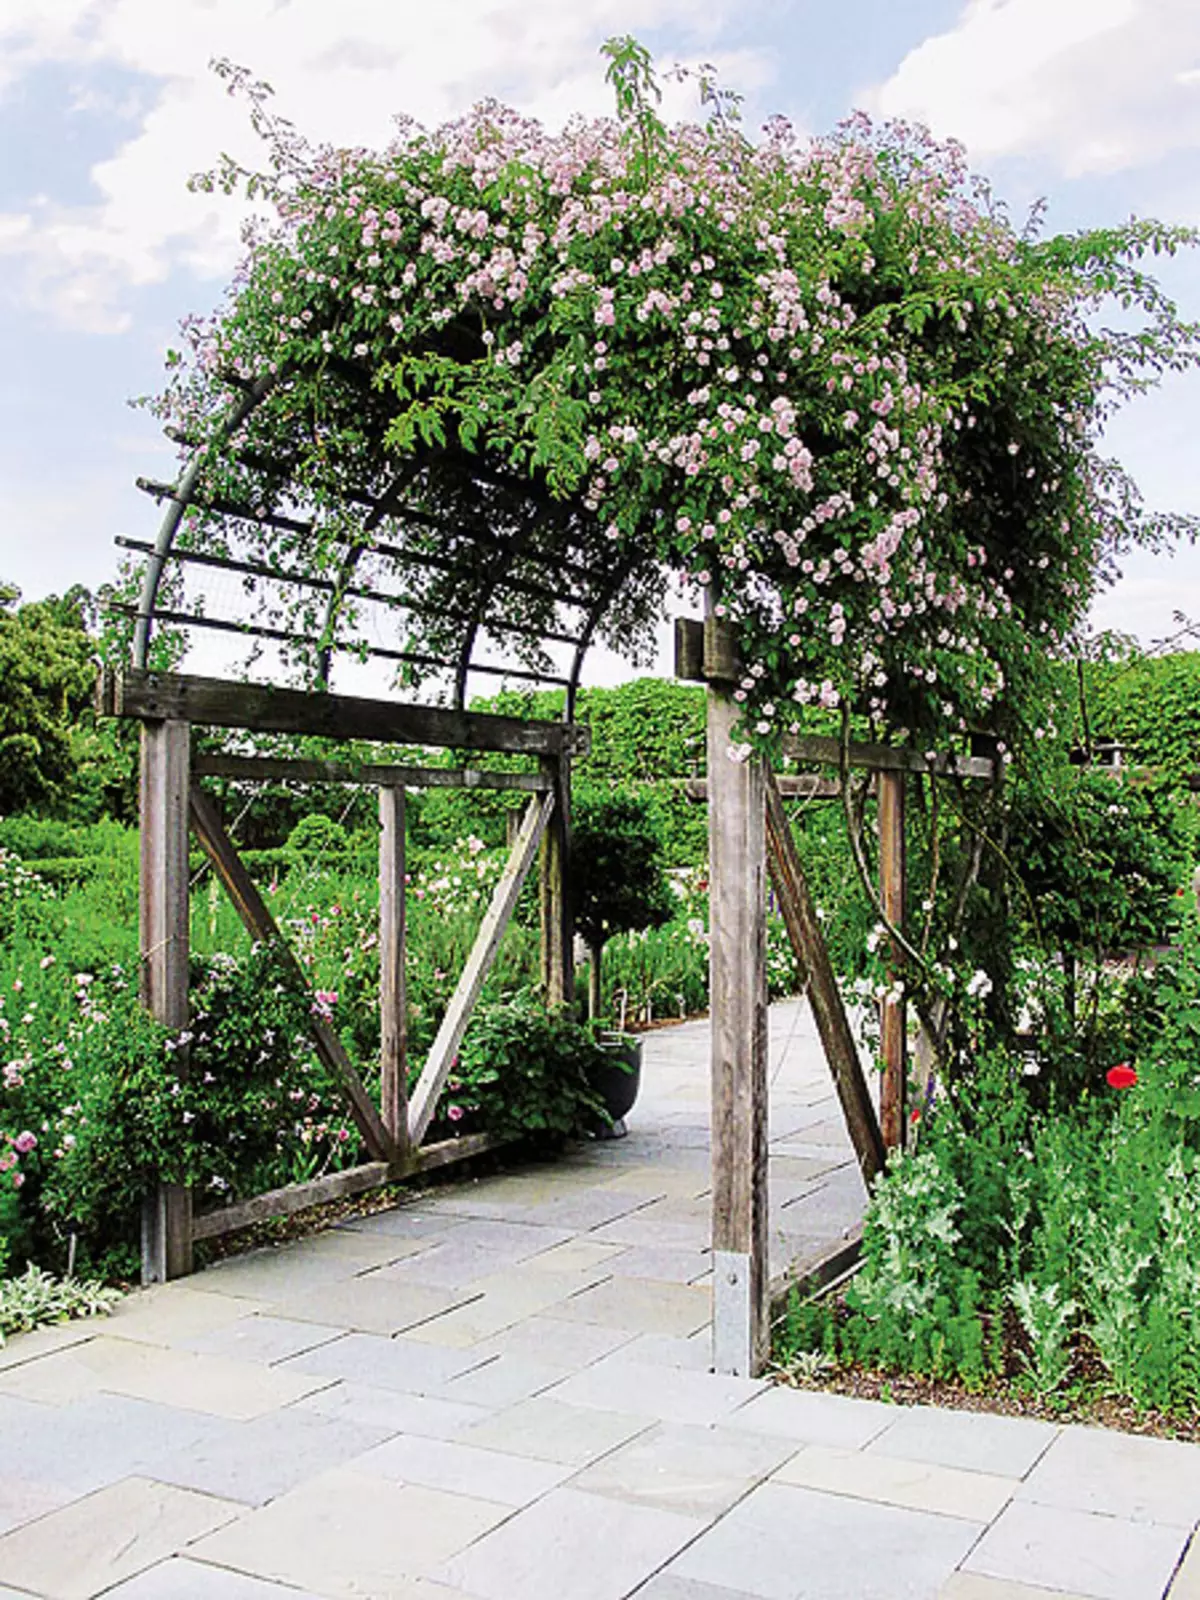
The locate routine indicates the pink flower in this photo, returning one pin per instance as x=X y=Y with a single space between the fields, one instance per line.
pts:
x=25 y=1142
x=455 y=1113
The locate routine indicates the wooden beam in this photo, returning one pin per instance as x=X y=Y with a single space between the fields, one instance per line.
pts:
x=458 y=1014
x=689 y=649
x=893 y=1041
x=213 y=702
x=557 y=925
x=344 y=1185
x=163 y=899
x=797 y=786
x=808 y=1278
x=738 y=998
x=252 y=909
x=268 y=769
x=885 y=757
x=808 y=945
x=393 y=1003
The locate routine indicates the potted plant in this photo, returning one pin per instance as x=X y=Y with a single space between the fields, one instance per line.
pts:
x=618 y=885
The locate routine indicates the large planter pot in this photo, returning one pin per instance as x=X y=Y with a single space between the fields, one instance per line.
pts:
x=616 y=1080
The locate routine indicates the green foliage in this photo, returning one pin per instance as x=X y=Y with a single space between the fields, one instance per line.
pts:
x=821 y=380
x=1099 y=860
x=525 y=1072
x=618 y=876
x=36 y=1298
x=1079 y=1222
x=46 y=676
x=1150 y=705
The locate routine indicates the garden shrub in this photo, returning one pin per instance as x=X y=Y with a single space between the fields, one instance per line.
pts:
x=523 y=1072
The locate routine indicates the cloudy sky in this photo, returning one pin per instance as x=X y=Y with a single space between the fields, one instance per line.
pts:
x=107 y=106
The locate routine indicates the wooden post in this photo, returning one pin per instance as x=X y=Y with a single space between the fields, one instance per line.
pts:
x=557 y=922
x=738 y=998
x=166 y=748
x=393 y=1003
x=892 y=1021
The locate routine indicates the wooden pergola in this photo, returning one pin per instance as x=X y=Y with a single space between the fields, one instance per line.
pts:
x=488 y=574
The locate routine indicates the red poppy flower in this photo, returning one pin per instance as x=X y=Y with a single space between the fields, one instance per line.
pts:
x=915 y=1114
x=1122 y=1077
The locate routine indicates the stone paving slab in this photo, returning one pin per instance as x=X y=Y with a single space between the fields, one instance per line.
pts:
x=212 y=1384
x=699 y=1471
x=1187 y=1580
x=970 y=1586
x=813 y=1418
x=1105 y=1558
x=977 y=1496
x=464 y=1469
x=181 y=1579
x=262 y=1338
x=580 y=1545
x=350 y=1536
x=416 y=1414
x=784 y=1543
x=95 y=1443
x=371 y=1304
x=1094 y=1469
x=85 y=1548
x=973 y=1440
x=670 y=1394
x=668 y=1587
x=400 y=1363
x=548 y=1430
x=500 y=1390
x=642 y=1305
x=503 y=1381
x=257 y=1461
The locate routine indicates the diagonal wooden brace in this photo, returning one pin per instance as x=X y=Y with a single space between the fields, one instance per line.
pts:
x=808 y=945
x=479 y=963
x=242 y=890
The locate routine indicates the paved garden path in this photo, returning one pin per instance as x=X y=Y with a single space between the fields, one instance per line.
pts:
x=500 y=1391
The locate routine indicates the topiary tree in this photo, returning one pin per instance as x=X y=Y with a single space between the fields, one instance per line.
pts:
x=618 y=877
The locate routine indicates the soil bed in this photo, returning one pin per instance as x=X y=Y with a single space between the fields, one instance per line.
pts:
x=1086 y=1403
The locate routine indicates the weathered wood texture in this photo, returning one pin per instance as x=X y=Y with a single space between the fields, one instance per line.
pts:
x=557 y=922
x=339 y=1185
x=213 y=702
x=738 y=990
x=689 y=649
x=797 y=786
x=805 y=1279
x=167 y=1213
x=253 y=911
x=267 y=769
x=808 y=945
x=885 y=757
x=393 y=998
x=893 y=1041
x=458 y=1014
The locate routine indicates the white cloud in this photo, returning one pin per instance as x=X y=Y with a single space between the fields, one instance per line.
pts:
x=341 y=72
x=1096 y=86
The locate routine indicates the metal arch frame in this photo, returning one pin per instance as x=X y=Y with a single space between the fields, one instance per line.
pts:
x=239 y=411
x=341 y=584
x=183 y=497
